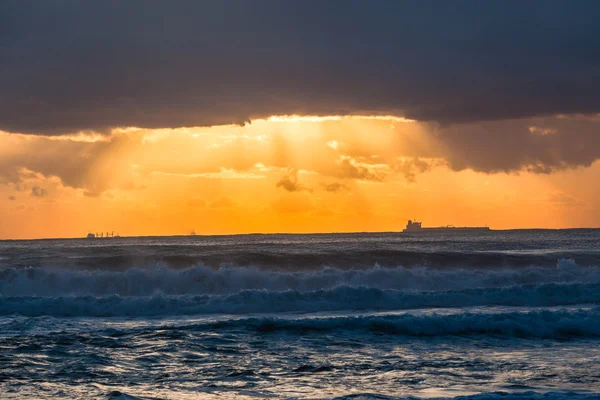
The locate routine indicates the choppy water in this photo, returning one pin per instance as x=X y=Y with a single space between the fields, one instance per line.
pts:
x=497 y=315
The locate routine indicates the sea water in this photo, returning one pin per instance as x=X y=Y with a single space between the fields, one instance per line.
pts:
x=502 y=314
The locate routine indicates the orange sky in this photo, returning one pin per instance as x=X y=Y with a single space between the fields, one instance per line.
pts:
x=283 y=174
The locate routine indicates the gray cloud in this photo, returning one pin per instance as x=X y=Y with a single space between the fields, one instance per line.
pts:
x=410 y=168
x=514 y=145
x=290 y=183
x=335 y=187
x=37 y=191
x=77 y=164
x=348 y=170
x=79 y=65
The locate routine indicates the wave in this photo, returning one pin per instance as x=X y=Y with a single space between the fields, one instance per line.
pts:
x=547 y=324
x=531 y=395
x=310 y=252
x=205 y=280
x=336 y=299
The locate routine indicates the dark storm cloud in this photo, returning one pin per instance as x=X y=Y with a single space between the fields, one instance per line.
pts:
x=539 y=145
x=77 y=65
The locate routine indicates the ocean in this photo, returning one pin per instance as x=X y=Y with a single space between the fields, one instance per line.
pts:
x=492 y=315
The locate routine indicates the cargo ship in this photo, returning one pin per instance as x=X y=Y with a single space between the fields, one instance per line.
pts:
x=415 y=227
x=101 y=235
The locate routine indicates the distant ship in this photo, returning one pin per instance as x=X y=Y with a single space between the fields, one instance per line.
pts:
x=101 y=235
x=415 y=227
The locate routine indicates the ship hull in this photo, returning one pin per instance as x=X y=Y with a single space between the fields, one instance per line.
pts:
x=448 y=230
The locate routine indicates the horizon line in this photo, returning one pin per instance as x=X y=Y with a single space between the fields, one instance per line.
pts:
x=284 y=233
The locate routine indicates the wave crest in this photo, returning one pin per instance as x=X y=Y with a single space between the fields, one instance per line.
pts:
x=205 y=280
x=336 y=299
x=531 y=324
x=531 y=395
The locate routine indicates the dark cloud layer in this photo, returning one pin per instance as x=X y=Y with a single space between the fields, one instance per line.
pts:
x=80 y=165
x=540 y=145
x=77 y=65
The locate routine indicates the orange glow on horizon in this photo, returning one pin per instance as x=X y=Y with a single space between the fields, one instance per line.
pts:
x=279 y=174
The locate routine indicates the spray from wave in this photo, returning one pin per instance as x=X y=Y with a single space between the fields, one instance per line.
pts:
x=202 y=290
x=205 y=280
x=336 y=299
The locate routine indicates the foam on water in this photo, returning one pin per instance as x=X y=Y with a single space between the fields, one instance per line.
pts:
x=205 y=280
x=264 y=301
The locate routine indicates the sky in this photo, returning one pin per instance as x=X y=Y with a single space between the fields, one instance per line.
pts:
x=162 y=118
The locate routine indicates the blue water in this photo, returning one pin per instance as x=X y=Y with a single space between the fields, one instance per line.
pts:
x=499 y=315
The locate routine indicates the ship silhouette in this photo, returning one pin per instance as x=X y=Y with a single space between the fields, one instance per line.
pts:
x=101 y=235
x=415 y=227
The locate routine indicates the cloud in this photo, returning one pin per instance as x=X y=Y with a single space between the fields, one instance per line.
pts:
x=335 y=187
x=78 y=164
x=37 y=191
x=512 y=146
x=350 y=169
x=89 y=193
x=230 y=62
x=290 y=183
x=536 y=130
x=12 y=198
x=410 y=168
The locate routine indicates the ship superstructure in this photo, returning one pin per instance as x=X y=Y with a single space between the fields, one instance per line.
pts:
x=101 y=235
x=415 y=227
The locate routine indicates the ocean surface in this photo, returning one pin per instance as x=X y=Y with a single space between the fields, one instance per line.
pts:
x=497 y=315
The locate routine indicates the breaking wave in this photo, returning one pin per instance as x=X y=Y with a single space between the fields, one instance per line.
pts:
x=264 y=301
x=550 y=324
x=205 y=280
x=531 y=395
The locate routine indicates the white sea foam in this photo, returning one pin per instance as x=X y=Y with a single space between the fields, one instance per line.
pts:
x=264 y=301
x=204 y=280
